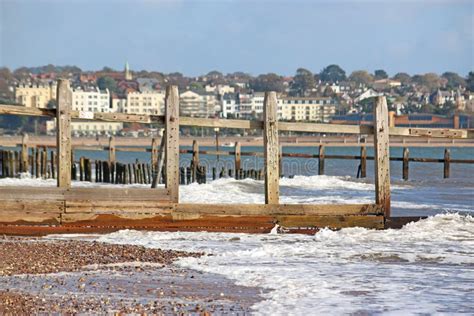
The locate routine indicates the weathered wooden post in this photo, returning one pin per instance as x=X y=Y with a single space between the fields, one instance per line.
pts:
x=44 y=162
x=17 y=163
x=172 y=141
x=63 y=133
x=321 y=160
x=81 y=169
x=160 y=160
x=24 y=153
x=154 y=155
x=195 y=161
x=406 y=159
x=363 y=161
x=271 y=148
x=447 y=162
x=111 y=150
x=237 y=159
x=53 y=164
x=382 y=155
x=38 y=162
x=280 y=162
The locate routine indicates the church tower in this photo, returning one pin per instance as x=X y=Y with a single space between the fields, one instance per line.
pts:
x=128 y=74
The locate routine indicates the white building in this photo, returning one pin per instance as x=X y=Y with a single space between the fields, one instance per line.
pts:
x=367 y=94
x=220 y=89
x=147 y=102
x=89 y=100
x=198 y=104
x=245 y=105
x=35 y=95
x=311 y=109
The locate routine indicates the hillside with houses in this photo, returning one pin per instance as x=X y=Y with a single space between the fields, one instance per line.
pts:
x=330 y=96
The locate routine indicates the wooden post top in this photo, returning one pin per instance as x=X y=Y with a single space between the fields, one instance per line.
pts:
x=271 y=148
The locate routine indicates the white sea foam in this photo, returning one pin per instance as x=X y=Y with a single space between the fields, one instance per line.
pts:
x=407 y=198
x=425 y=267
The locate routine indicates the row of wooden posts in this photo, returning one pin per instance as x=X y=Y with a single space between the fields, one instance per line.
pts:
x=272 y=156
x=36 y=162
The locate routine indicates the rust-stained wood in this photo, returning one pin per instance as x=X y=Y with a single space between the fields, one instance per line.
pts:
x=172 y=141
x=382 y=155
x=271 y=148
x=63 y=133
x=334 y=222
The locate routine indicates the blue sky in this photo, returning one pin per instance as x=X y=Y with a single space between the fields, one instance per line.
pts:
x=195 y=37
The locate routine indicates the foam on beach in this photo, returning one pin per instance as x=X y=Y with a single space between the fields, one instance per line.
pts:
x=425 y=267
x=408 y=198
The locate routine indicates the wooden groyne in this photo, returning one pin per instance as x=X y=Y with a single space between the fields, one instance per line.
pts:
x=40 y=162
x=69 y=208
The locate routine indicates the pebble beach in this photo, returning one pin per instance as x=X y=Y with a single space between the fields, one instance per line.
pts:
x=82 y=277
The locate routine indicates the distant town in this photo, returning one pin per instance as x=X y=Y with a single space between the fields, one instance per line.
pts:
x=330 y=96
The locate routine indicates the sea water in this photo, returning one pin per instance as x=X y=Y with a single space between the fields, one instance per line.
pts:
x=426 y=267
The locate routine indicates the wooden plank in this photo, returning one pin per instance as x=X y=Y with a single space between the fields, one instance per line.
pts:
x=281 y=209
x=335 y=222
x=24 y=111
x=31 y=193
x=106 y=220
x=21 y=217
x=324 y=128
x=271 y=148
x=30 y=206
x=172 y=141
x=63 y=133
x=206 y=122
x=382 y=155
x=430 y=132
x=119 y=194
x=116 y=117
x=118 y=207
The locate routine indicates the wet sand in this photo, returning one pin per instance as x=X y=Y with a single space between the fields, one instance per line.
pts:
x=69 y=277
